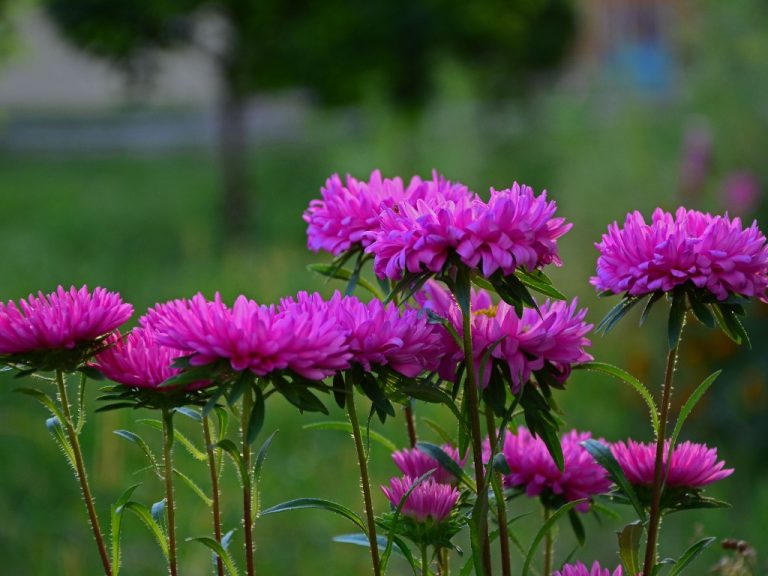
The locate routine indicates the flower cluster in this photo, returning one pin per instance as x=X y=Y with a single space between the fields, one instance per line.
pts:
x=414 y=463
x=515 y=228
x=533 y=469
x=429 y=501
x=714 y=253
x=693 y=466
x=580 y=569
x=555 y=335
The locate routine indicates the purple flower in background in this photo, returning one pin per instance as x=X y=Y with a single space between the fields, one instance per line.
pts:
x=693 y=465
x=514 y=229
x=350 y=210
x=384 y=335
x=715 y=253
x=430 y=501
x=580 y=569
x=63 y=319
x=138 y=360
x=741 y=192
x=533 y=469
x=301 y=335
x=415 y=463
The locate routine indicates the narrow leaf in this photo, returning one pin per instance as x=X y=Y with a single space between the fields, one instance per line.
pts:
x=143 y=514
x=629 y=547
x=676 y=318
x=256 y=419
x=445 y=461
x=347 y=427
x=320 y=504
x=690 y=555
x=346 y=275
x=139 y=441
x=551 y=521
x=219 y=550
x=689 y=405
x=194 y=487
x=604 y=457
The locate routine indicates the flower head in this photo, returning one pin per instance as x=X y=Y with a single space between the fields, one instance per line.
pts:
x=534 y=470
x=713 y=253
x=300 y=335
x=580 y=569
x=65 y=320
x=415 y=463
x=429 y=501
x=693 y=466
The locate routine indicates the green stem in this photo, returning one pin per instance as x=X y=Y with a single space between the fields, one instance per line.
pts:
x=247 y=493
x=215 y=492
x=424 y=561
x=549 y=545
x=443 y=566
x=411 y=423
x=654 y=520
x=364 y=480
x=498 y=492
x=81 y=474
x=470 y=392
x=170 y=507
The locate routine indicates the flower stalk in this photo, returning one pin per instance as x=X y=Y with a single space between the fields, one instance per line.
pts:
x=170 y=506
x=215 y=492
x=81 y=473
x=362 y=461
x=247 y=491
x=549 y=544
x=498 y=492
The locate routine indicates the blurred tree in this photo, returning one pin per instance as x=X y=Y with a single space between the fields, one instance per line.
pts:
x=338 y=49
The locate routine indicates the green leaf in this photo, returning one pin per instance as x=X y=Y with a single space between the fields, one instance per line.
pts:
x=374 y=392
x=578 y=527
x=194 y=487
x=616 y=313
x=258 y=465
x=347 y=427
x=211 y=404
x=190 y=447
x=463 y=290
x=339 y=390
x=551 y=521
x=143 y=514
x=728 y=322
x=319 y=504
x=256 y=419
x=299 y=396
x=400 y=547
x=243 y=383
x=188 y=376
x=629 y=547
x=542 y=423
x=627 y=378
x=139 y=441
x=500 y=464
x=513 y=292
x=219 y=550
x=116 y=524
x=57 y=431
x=229 y=447
x=539 y=282
x=676 y=318
x=439 y=430
x=330 y=271
x=701 y=311
x=222 y=420
x=688 y=407
x=433 y=395
x=44 y=399
x=690 y=555
x=446 y=462
x=655 y=297
x=189 y=413
x=604 y=457
x=495 y=394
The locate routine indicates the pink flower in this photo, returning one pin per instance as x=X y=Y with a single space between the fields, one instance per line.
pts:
x=350 y=210
x=533 y=469
x=63 y=319
x=138 y=360
x=579 y=569
x=715 y=253
x=415 y=463
x=429 y=501
x=384 y=335
x=514 y=229
x=693 y=465
x=301 y=335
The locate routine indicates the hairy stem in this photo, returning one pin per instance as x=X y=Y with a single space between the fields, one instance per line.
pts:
x=170 y=507
x=364 y=480
x=215 y=493
x=443 y=566
x=654 y=520
x=247 y=492
x=424 y=561
x=411 y=423
x=81 y=474
x=470 y=391
x=501 y=505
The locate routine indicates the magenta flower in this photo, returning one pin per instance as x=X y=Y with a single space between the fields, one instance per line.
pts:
x=715 y=253
x=138 y=360
x=301 y=335
x=349 y=210
x=514 y=229
x=693 y=465
x=580 y=569
x=415 y=463
x=64 y=319
x=384 y=335
x=533 y=469
x=430 y=501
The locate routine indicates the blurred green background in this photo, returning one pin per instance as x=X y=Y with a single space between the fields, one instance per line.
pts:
x=653 y=104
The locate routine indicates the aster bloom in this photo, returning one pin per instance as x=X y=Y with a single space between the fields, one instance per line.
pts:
x=65 y=320
x=580 y=569
x=515 y=229
x=414 y=463
x=138 y=360
x=349 y=210
x=430 y=501
x=384 y=335
x=533 y=469
x=693 y=466
x=716 y=254
x=300 y=335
